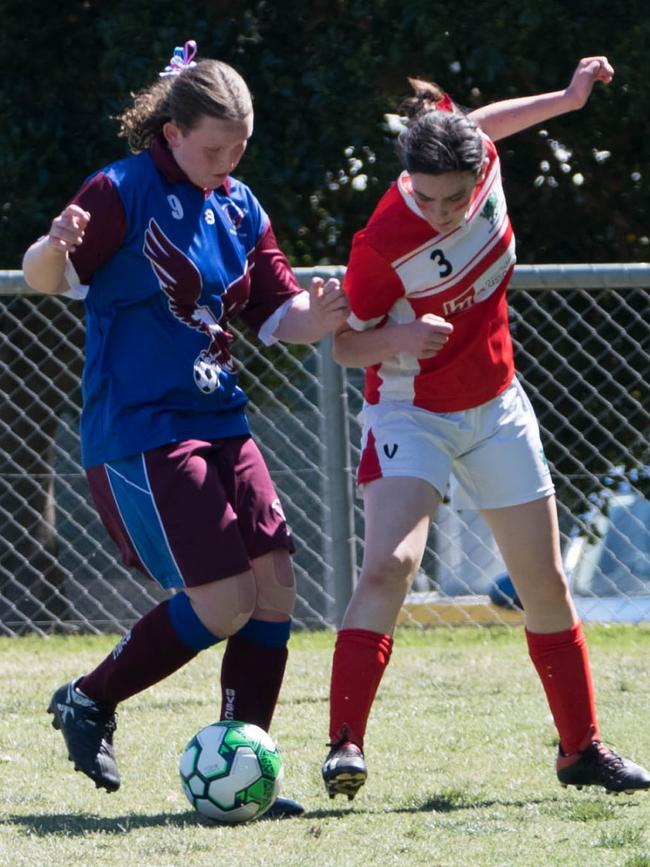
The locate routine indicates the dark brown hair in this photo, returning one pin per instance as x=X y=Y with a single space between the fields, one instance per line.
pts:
x=436 y=139
x=209 y=88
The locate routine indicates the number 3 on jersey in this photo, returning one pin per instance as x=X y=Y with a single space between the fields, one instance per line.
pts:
x=444 y=265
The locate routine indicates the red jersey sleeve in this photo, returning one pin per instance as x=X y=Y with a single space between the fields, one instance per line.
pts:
x=106 y=228
x=273 y=282
x=370 y=283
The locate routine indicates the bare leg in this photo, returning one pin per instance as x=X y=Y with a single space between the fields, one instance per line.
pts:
x=398 y=514
x=528 y=539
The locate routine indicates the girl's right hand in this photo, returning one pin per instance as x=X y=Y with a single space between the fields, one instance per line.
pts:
x=588 y=71
x=427 y=335
x=67 y=230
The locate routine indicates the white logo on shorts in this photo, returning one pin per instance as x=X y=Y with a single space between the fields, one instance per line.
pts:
x=276 y=505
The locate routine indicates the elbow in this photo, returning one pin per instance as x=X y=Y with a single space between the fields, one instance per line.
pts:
x=340 y=356
x=31 y=277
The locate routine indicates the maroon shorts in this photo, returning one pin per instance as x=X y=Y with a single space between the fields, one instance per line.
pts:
x=191 y=512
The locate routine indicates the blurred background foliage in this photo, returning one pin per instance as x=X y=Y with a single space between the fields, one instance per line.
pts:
x=323 y=75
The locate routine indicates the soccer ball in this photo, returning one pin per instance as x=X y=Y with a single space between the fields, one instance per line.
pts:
x=231 y=771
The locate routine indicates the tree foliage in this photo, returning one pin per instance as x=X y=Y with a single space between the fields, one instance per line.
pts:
x=323 y=74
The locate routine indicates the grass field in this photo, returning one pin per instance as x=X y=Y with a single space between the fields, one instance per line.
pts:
x=460 y=750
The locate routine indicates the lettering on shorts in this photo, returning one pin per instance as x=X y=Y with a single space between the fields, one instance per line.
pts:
x=391 y=451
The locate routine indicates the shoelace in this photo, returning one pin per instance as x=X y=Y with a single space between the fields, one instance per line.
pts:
x=608 y=756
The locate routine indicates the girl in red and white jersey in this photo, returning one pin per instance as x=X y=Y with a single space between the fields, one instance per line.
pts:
x=426 y=283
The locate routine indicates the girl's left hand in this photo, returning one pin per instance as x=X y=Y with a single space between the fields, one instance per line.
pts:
x=328 y=303
x=588 y=71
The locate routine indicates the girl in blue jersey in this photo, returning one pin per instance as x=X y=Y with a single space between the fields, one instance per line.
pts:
x=165 y=247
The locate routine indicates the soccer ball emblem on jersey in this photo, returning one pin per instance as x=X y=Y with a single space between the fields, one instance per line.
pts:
x=206 y=372
x=231 y=771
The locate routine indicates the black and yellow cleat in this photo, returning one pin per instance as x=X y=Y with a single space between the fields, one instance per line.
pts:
x=344 y=770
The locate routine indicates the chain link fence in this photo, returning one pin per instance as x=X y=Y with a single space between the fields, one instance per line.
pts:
x=582 y=336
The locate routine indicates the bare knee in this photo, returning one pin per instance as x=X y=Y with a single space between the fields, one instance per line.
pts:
x=276 y=585
x=224 y=606
x=549 y=591
x=388 y=575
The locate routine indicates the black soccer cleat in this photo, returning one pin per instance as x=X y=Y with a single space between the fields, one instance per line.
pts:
x=284 y=808
x=597 y=765
x=87 y=728
x=344 y=770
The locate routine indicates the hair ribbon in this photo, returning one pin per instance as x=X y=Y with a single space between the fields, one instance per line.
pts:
x=182 y=58
x=444 y=103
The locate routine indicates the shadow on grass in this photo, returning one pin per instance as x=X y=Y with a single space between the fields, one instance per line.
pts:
x=74 y=824
x=442 y=803
x=452 y=801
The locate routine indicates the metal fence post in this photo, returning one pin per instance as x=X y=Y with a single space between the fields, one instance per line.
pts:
x=338 y=538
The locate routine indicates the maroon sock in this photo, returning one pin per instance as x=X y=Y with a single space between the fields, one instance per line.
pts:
x=360 y=659
x=562 y=663
x=251 y=677
x=148 y=653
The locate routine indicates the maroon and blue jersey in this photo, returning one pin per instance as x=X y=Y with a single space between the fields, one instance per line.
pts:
x=163 y=267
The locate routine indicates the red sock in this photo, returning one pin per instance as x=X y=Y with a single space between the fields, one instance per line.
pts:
x=149 y=652
x=360 y=659
x=562 y=663
x=251 y=677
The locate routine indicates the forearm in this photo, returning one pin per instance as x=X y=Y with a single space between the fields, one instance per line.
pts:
x=365 y=348
x=298 y=325
x=501 y=119
x=44 y=268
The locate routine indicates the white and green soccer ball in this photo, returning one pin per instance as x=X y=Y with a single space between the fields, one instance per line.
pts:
x=231 y=771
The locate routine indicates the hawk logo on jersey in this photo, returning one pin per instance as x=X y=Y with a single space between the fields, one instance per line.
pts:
x=460 y=302
x=489 y=211
x=181 y=281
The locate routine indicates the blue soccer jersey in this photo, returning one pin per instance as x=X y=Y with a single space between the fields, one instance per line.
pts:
x=163 y=267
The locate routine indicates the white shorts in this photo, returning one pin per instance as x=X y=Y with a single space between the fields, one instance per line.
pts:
x=491 y=456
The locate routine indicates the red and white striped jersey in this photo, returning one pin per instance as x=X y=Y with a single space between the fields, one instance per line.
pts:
x=401 y=268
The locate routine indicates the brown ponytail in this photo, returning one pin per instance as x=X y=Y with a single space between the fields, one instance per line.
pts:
x=426 y=95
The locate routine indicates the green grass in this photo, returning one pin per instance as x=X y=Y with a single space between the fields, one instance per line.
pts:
x=460 y=749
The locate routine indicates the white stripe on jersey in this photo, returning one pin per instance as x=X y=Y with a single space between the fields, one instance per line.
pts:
x=461 y=251
x=362 y=324
x=398 y=373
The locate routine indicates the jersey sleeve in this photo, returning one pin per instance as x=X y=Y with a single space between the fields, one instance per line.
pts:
x=273 y=285
x=371 y=285
x=106 y=228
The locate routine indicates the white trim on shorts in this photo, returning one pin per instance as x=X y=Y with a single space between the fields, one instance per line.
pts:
x=490 y=456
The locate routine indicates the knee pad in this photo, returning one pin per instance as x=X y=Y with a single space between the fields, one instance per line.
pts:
x=276 y=586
